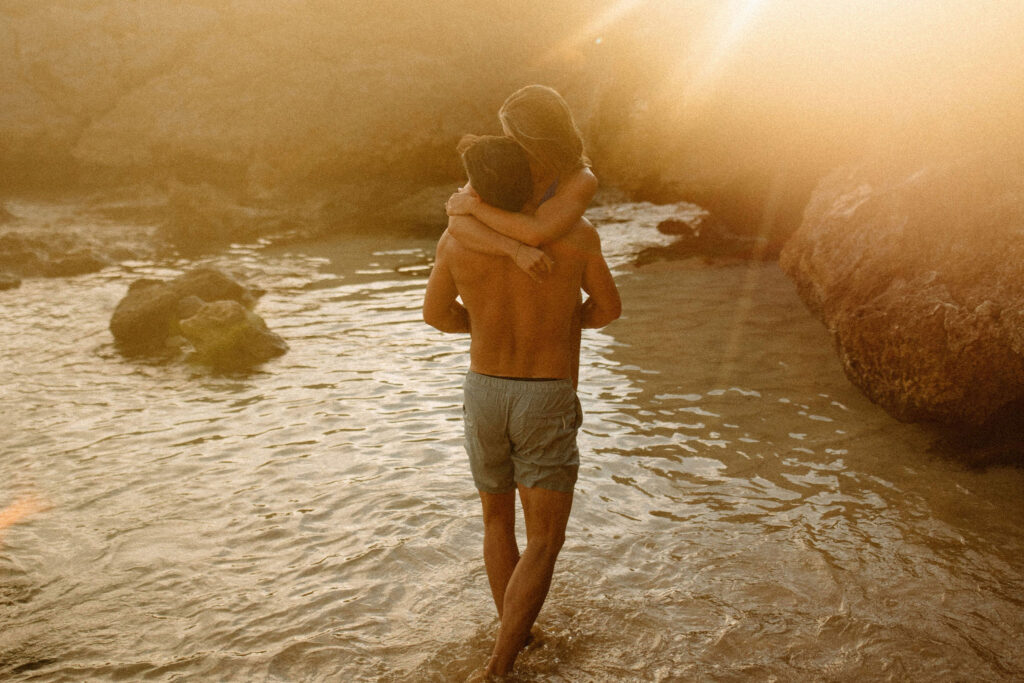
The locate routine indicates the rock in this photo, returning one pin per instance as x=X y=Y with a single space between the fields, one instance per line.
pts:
x=210 y=284
x=22 y=254
x=189 y=306
x=999 y=442
x=200 y=216
x=918 y=273
x=684 y=228
x=9 y=282
x=76 y=263
x=284 y=100
x=61 y=251
x=143 y=318
x=62 y=66
x=760 y=205
x=420 y=212
x=6 y=216
x=149 y=312
x=705 y=236
x=265 y=100
x=228 y=335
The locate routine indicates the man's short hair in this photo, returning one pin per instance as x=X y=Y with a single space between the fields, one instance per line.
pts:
x=498 y=169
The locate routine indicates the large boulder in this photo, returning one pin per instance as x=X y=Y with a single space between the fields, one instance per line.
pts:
x=919 y=276
x=148 y=315
x=228 y=335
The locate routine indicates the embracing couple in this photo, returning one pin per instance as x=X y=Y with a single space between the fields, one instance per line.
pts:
x=517 y=252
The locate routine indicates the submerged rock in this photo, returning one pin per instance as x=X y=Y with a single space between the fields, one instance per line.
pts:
x=707 y=237
x=919 y=277
x=227 y=334
x=22 y=254
x=8 y=282
x=148 y=315
x=201 y=216
x=56 y=252
x=78 y=262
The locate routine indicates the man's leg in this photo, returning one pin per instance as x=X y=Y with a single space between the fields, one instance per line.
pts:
x=546 y=513
x=501 y=552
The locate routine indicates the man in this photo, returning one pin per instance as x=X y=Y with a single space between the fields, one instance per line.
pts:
x=521 y=410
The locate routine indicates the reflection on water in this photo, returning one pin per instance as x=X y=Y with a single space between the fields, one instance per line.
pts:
x=742 y=512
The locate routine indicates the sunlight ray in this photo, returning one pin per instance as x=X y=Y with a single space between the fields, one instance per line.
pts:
x=725 y=33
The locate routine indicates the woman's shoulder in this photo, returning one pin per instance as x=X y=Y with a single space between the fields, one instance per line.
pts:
x=580 y=183
x=581 y=239
x=584 y=177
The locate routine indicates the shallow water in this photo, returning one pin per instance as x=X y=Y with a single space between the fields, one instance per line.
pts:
x=743 y=513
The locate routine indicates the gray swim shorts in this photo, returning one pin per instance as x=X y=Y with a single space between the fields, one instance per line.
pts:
x=521 y=431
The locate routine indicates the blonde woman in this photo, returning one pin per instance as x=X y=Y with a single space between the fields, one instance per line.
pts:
x=563 y=185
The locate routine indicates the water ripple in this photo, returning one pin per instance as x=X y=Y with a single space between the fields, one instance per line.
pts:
x=741 y=513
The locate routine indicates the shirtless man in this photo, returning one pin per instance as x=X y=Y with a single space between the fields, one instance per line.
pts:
x=520 y=407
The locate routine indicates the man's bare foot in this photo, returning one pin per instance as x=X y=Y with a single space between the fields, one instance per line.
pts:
x=536 y=638
x=481 y=676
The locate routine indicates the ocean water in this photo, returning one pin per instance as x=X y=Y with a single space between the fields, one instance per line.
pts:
x=743 y=513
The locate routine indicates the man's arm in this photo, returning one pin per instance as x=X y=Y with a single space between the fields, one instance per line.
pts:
x=603 y=304
x=440 y=309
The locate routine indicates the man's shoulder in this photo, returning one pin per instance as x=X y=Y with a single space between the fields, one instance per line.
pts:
x=455 y=255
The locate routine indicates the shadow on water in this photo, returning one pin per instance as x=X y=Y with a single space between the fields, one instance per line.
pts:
x=183 y=359
x=998 y=443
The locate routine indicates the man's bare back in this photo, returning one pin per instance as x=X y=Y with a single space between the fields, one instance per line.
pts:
x=524 y=328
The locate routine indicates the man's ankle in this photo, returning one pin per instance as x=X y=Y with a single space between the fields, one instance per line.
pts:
x=492 y=668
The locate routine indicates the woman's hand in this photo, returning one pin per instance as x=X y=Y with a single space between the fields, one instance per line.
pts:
x=532 y=261
x=462 y=202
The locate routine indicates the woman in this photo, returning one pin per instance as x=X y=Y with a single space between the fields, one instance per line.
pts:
x=563 y=185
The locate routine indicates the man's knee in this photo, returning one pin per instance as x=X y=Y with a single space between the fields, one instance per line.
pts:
x=548 y=543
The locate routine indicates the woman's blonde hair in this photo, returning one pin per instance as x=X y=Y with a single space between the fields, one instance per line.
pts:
x=539 y=119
